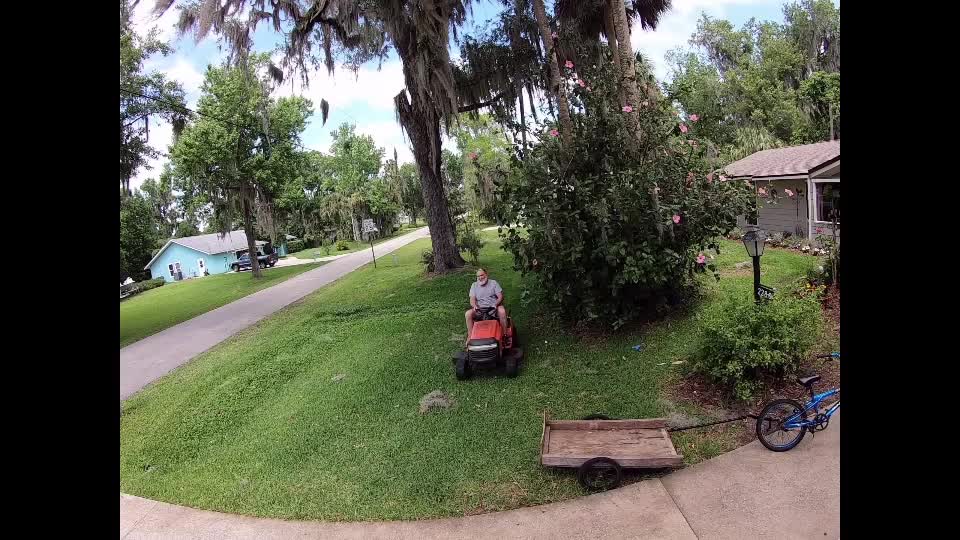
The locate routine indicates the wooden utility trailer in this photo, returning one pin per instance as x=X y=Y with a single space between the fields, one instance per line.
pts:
x=601 y=448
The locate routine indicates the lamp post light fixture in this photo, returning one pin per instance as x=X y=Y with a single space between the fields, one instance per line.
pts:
x=753 y=240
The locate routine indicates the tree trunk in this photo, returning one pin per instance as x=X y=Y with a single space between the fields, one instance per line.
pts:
x=518 y=84
x=251 y=239
x=422 y=124
x=558 y=89
x=628 y=84
x=611 y=32
x=356 y=227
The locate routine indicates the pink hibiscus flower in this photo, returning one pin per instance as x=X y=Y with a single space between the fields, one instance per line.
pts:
x=569 y=64
x=762 y=191
x=701 y=259
x=581 y=83
x=676 y=219
x=554 y=132
x=627 y=109
x=710 y=177
x=473 y=155
x=683 y=128
x=690 y=177
x=788 y=192
x=694 y=118
x=819 y=230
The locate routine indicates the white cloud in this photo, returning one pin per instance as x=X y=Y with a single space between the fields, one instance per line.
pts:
x=186 y=74
x=161 y=137
x=678 y=24
x=369 y=87
x=143 y=20
x=388 y=135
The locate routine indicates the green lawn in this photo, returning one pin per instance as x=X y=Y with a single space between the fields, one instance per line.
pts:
x=311 y=253
x=157 y=309
x=258 y=426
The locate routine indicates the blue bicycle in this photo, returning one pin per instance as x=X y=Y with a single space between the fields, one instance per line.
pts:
x=783 y=422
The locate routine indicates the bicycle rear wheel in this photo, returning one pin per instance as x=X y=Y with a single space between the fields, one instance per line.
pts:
x=770 y=428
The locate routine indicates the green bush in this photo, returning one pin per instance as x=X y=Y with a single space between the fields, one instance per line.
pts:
x=776 y=239
x=742 y=342
x=150 y=284
x=469 y=240
x=426 y=258
x=833 y=260
x=735 y=234
x=294 y=246
x=342 y=245
x=614 y=229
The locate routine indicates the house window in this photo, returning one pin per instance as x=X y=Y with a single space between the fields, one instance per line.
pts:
x=828 y=201
x=170 y=267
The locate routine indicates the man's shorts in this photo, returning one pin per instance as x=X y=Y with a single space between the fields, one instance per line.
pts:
x=478 y=315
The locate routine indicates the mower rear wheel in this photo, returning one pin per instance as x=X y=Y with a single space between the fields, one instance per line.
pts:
x=511 y=364
x=463 y=368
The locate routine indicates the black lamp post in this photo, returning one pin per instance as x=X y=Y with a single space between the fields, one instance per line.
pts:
x=754 y=241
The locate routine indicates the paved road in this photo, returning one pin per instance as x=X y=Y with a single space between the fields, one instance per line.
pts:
x=151 y=358
x=748 y=493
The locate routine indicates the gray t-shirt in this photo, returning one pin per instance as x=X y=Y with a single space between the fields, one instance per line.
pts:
x=486 y=295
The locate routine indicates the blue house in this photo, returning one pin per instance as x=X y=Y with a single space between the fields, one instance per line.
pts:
x=197 y=256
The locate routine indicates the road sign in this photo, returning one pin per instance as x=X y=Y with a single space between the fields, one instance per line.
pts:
x=369 y=226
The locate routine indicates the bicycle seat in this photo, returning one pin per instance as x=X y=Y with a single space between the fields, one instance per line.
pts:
x=807 y=381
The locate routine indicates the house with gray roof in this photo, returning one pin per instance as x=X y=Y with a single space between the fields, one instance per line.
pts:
x=198 y=256
x=798 y=187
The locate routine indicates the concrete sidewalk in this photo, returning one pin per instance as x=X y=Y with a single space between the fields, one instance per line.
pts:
x=748 y=493
x=293 y=261
x=151 y=358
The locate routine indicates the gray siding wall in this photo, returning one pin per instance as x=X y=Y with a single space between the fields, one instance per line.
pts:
x=787 y=213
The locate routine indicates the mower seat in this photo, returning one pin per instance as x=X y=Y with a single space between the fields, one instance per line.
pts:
x=808 y=381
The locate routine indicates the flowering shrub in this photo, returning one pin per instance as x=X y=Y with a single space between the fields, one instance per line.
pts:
x=615 y=229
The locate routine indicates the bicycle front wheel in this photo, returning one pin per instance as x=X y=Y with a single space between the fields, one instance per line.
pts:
x=770 y=425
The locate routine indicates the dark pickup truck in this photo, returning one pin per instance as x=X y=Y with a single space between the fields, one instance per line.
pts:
x=243 y=263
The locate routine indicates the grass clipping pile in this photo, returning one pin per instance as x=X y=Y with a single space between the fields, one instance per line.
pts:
x=436 y=400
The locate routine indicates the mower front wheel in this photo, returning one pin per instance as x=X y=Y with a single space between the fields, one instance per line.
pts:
x=463 y=367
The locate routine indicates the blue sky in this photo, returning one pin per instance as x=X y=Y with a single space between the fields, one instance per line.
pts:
x=366 y=99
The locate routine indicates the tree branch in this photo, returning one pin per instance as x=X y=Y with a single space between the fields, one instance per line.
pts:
x=491 y=101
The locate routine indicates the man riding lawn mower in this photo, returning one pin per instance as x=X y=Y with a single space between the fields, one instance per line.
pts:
x=491 y=335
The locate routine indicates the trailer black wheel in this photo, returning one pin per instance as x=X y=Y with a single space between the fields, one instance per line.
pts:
x=600 y=474
x=463 y=368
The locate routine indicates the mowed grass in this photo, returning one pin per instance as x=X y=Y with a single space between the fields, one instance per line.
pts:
x=318 y=252
x=259 y=426
x=158 y=309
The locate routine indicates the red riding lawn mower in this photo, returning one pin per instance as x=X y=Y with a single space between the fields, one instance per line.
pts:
x=488 y=347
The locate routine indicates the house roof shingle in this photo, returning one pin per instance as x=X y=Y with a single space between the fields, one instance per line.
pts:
x=214 y=243
x=785 y=161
